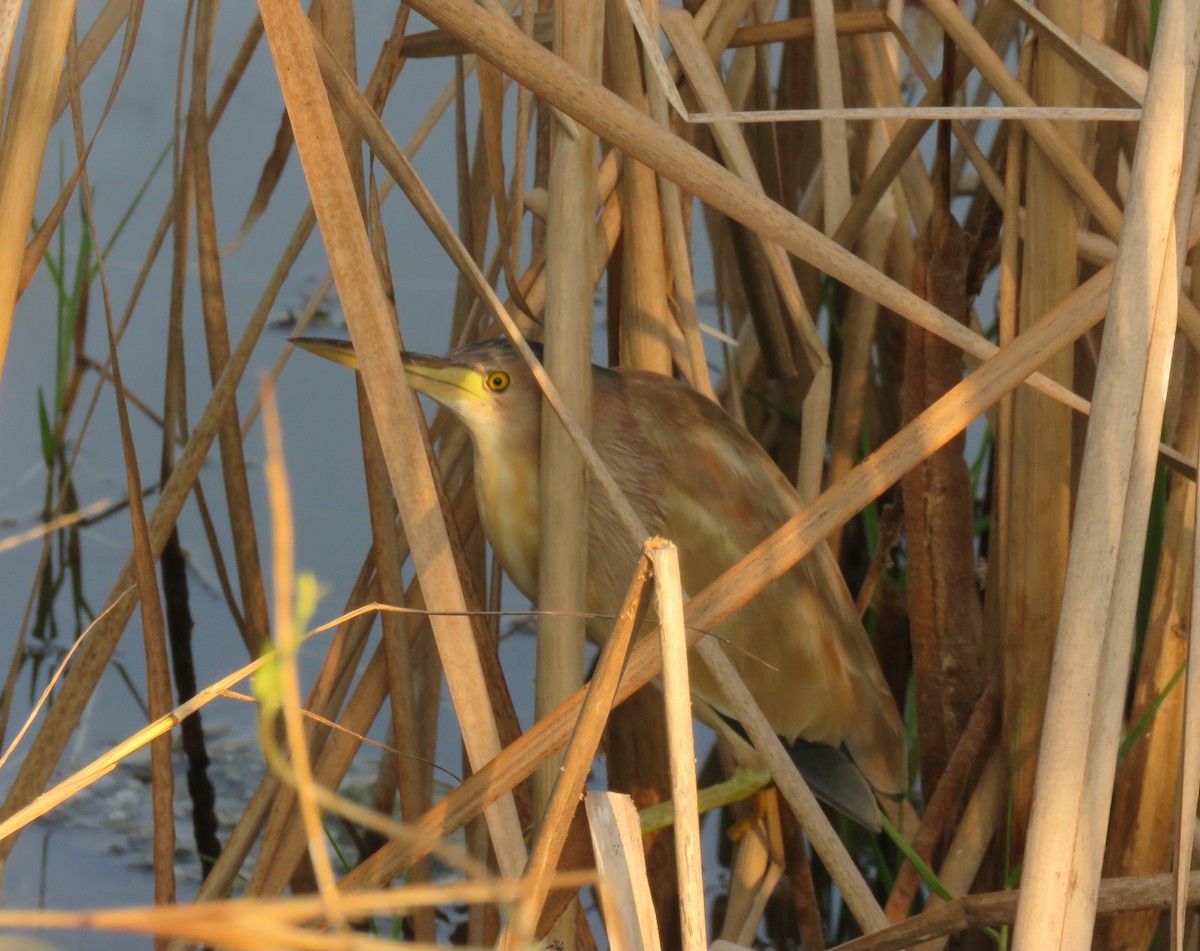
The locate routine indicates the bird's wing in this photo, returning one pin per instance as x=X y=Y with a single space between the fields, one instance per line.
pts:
x=799 y=645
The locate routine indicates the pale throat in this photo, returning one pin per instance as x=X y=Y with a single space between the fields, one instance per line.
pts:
x=508 y=506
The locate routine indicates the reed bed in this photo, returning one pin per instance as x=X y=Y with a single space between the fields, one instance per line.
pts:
x=954 y=294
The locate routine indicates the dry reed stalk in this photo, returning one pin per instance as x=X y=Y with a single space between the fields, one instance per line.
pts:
x=57 y=525
x=858 y=336
x=1075 y=770
x=282 y=847
x=755 y=873
x=697 y=65
x=258 y=924
x=174 y=427
x=824 y=840
x=617 y=843
x=524 y=124
x=1036 y=535
x=994 y=909
x=1189 y=768
x=637 y=757
x=85 y=53
x=1130 y=77
x=845 y=23
x=644 y=315
x=835 y=154
x=565 y=523
x=579 y=754
x=695 y=367
x=1059 y=152
x=1083 y=60
x=906 y=166
x=988 y=24
x=298 y=767
x=216 y=333
x=394 y=407
x=158 y=678
x=26 y=127
x=1007 y=305
x=284 y=844
x=1143 y=826
x=108 y=761
x=483 y=925
x=803 y=890
x=326 y=697
x=470 y=196
x=943 y=604
x=947 y=797
x=607 y=231
x=972 y=836
x=158 y=682
x=9 y=14
x=388 y=560
x=677 y=694
x=634 y=133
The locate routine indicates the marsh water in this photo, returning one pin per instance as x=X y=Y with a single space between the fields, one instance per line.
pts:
x=94 y=851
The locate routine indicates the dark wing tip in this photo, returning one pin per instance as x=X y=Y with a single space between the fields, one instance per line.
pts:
x=836 y=781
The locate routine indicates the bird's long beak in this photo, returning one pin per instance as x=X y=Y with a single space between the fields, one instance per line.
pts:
x=339 y=351
x=441 y=379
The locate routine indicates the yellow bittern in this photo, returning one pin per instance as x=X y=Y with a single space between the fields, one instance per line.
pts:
x=693 y=476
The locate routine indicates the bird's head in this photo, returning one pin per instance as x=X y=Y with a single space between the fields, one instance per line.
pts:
x=486 y=384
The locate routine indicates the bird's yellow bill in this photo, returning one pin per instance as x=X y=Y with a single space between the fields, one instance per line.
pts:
x=444 y=380
x=339 y=351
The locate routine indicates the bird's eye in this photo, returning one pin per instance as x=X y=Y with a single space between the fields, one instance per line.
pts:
x=497 y=381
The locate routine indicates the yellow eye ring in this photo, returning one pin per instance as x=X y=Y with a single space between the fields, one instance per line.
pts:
x=497 y=381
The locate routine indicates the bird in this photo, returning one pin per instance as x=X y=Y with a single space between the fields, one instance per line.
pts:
x=696 y=477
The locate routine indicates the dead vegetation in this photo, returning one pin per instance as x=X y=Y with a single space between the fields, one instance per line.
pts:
x=891 y=266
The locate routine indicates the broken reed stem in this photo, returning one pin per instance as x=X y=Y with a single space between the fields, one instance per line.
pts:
x=628 y=909
x=577 y=761
x=677 y=696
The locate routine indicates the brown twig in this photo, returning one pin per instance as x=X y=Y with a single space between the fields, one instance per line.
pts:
x=991 y=909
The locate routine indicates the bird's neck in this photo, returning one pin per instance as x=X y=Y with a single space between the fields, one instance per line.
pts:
x=507 y=483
